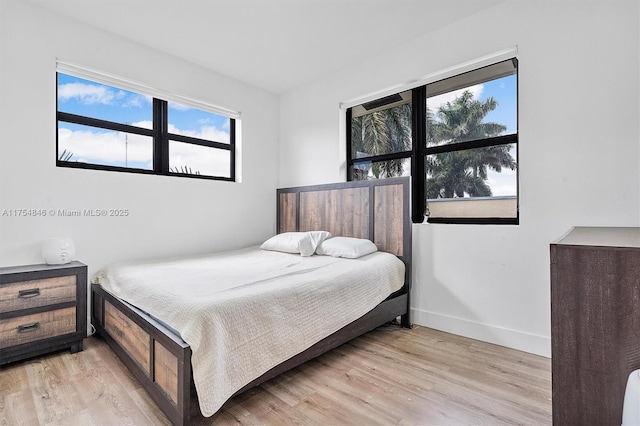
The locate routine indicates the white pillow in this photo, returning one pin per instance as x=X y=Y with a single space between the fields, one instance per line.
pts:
x=317 y=237
x=304 y=243
x=348 y=247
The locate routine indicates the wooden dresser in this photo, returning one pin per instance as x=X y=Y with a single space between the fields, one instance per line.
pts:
x=43 y=308
x=595 y=323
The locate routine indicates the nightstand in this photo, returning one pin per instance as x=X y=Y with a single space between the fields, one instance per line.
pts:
x=43 y=308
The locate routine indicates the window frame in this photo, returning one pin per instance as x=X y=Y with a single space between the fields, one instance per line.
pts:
x=351 y=162
x=420 y=151
x=159 y=134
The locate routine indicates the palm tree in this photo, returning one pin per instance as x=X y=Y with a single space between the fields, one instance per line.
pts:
x=462 y=120
x=382 y=132
x=464 y=172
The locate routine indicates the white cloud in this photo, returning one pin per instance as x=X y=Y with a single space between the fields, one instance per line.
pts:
x=88 y=94
x=105 y=147
x=145 y=124
x=138 y=101
x=97 y=94
x=179 y=107
x=207 y=161
x=503 y=183
x=210 y=133
x=434 y=103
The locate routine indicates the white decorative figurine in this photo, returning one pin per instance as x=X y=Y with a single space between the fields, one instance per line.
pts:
x=58 y=251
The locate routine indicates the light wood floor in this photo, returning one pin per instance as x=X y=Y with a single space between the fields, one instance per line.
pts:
x=389 y=376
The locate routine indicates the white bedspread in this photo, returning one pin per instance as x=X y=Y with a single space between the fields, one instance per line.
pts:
x=245 y=311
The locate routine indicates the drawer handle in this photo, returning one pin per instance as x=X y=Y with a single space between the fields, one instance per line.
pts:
x=32 y=326
x=32 y=292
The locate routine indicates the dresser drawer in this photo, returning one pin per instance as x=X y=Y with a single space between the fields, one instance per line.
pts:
x=34 y=293
x=29 y=328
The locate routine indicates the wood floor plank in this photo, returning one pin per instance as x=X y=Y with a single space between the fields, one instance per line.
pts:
x=12 y=381
x=388 y=376
x=288 y=389
x=116 y=407
x=430 y=406
x=261 y=409
x=146 y=405
x=53 y=393
x=19 y=409
x=82 y=417
x=345 y=396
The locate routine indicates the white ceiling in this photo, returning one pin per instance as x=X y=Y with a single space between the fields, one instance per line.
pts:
x=276 y=45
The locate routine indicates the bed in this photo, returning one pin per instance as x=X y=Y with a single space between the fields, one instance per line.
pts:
x=170 y=369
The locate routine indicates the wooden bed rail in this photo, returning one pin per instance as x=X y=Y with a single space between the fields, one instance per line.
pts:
x=158 y=358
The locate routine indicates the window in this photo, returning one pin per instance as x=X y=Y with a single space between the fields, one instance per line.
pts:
x=457 y=137
x=379 y=143
x=106 y=127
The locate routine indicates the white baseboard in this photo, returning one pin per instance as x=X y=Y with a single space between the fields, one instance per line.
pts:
x=539 y=345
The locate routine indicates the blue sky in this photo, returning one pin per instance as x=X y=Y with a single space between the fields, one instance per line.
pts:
x=84 y=97
x=504 y=91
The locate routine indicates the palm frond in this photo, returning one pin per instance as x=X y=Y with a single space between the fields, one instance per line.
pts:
x=65 y=155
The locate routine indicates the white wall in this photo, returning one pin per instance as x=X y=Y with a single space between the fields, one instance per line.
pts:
x=168 y=215
x=579 y=155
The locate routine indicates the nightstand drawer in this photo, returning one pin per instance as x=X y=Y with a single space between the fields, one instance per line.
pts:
x=34 y=293
x=43 y=325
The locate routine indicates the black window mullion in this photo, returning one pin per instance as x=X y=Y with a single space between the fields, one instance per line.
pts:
x=381 y=157
x=232 y=143
x=475 y=220
x=102 y=124
x=350 y=162
x=160 y=138
x=474 y=144
x=418 y=143
x=198 y=141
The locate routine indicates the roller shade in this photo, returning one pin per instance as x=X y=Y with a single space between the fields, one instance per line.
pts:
x=101 y=77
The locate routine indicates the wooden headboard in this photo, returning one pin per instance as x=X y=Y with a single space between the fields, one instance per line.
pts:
x=375 y=209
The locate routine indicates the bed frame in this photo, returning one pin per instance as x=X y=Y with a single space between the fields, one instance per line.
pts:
x=161 y=360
